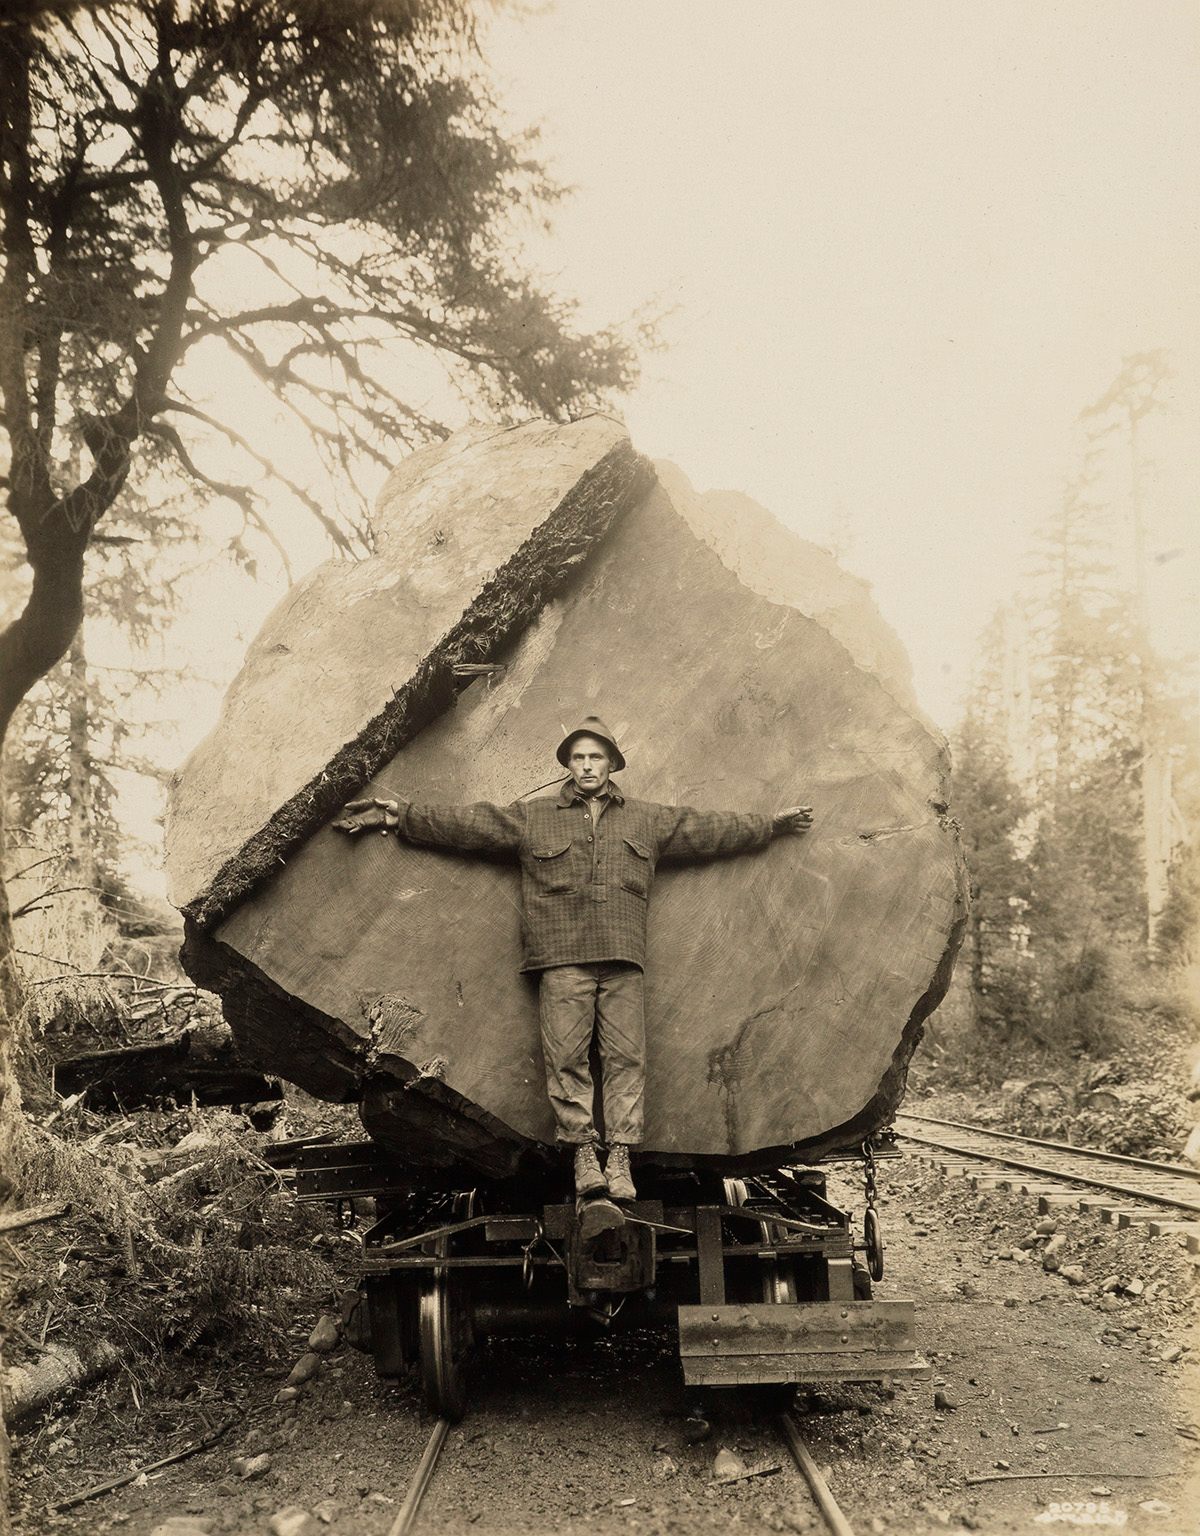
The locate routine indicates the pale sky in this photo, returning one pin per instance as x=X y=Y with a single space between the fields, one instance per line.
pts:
x=903 y=246
x=898 y=248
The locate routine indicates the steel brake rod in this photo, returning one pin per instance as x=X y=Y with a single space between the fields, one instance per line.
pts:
x=749 y=1213
x=658 y=1226
x=428 y=1237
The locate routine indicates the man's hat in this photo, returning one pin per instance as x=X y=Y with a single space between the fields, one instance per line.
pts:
x=591 y=726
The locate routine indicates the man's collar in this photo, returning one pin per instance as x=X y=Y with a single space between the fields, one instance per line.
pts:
x=570 y=793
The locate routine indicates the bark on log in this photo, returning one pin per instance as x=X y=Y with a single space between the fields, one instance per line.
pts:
x=786 y=990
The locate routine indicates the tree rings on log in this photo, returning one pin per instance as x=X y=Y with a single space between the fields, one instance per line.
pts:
x=741 y=670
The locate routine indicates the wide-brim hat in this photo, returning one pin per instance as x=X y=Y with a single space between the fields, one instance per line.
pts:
x=591 y=726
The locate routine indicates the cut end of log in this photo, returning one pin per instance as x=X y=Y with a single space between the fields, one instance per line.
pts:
x=741 y=670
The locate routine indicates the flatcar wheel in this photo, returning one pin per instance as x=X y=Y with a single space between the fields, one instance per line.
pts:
x=778 y=1276
x=446 y=1332
x=736 y=1192
x=873 y=1240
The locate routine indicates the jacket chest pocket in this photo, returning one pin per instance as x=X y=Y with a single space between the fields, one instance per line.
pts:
x=549 y=866
x=636 y=866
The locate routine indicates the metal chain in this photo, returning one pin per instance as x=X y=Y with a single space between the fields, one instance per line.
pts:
x=527 y=1255
x=868 y=1153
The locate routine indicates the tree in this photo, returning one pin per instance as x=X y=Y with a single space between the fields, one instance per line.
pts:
x=1134 y=395
x=82 y=725
x=1082 y=862
x=1065 y=853
x=291 y=195
x=341 y=167
x=993 y=807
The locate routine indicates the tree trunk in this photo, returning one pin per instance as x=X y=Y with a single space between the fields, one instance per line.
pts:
x=81 y=828
x=786 y=989
x=11 y=1002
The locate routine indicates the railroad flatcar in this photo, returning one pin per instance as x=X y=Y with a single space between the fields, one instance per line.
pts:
x=763 y=1278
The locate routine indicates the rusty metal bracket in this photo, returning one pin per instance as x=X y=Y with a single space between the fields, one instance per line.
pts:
x=758 y=1216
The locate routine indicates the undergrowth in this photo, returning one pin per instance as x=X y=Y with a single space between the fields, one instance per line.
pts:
x=1133 y=1099
x=177 y=1234
x=166 y=1247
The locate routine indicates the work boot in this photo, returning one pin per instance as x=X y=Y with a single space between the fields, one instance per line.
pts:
x=597 y=1217
x=589 y=1177
x=620 y=1180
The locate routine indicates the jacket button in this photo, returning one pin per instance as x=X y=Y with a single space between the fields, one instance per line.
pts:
x=589 y=839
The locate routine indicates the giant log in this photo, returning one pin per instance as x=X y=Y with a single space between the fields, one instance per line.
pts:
x=741 y=670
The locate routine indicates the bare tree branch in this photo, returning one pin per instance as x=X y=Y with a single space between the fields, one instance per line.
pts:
x=240 y=495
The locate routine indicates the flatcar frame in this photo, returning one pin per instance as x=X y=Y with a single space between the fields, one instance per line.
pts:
x=760 y=1275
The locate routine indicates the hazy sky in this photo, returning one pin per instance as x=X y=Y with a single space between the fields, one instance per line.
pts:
x=902 y=246
x=897 y=248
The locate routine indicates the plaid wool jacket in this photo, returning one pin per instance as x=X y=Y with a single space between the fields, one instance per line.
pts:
x=585 y=884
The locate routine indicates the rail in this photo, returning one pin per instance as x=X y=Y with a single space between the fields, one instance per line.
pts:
x=421 y=1478
x=1059 y=1146
x=1174 y=1187
x=831 y=1513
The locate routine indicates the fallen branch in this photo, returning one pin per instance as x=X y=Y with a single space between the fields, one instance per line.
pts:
x=55 y=890
x=11 y=1220
x=62 y=1107
x=145 y=983
x=1016 y=1477
x=136 y=1472
x=199 y=1062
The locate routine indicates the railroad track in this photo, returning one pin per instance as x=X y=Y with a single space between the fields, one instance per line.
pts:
x=835 y=1521
x=1124 y=1191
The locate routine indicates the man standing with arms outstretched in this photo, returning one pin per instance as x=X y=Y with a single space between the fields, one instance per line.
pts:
x=588 y=858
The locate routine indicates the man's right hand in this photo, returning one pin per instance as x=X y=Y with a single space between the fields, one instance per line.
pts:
x=369 y=816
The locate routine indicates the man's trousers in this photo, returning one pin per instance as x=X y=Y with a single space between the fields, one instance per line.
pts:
x=574 y=1000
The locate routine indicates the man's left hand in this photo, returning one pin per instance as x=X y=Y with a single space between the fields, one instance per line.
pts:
x=798 y=819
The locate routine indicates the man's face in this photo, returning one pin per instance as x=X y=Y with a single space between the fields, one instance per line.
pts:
x=589 y=764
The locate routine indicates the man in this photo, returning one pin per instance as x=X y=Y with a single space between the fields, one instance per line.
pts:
x=588 y=858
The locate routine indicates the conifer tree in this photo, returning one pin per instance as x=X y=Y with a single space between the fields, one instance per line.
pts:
x=318 y=202
x=993 y=807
